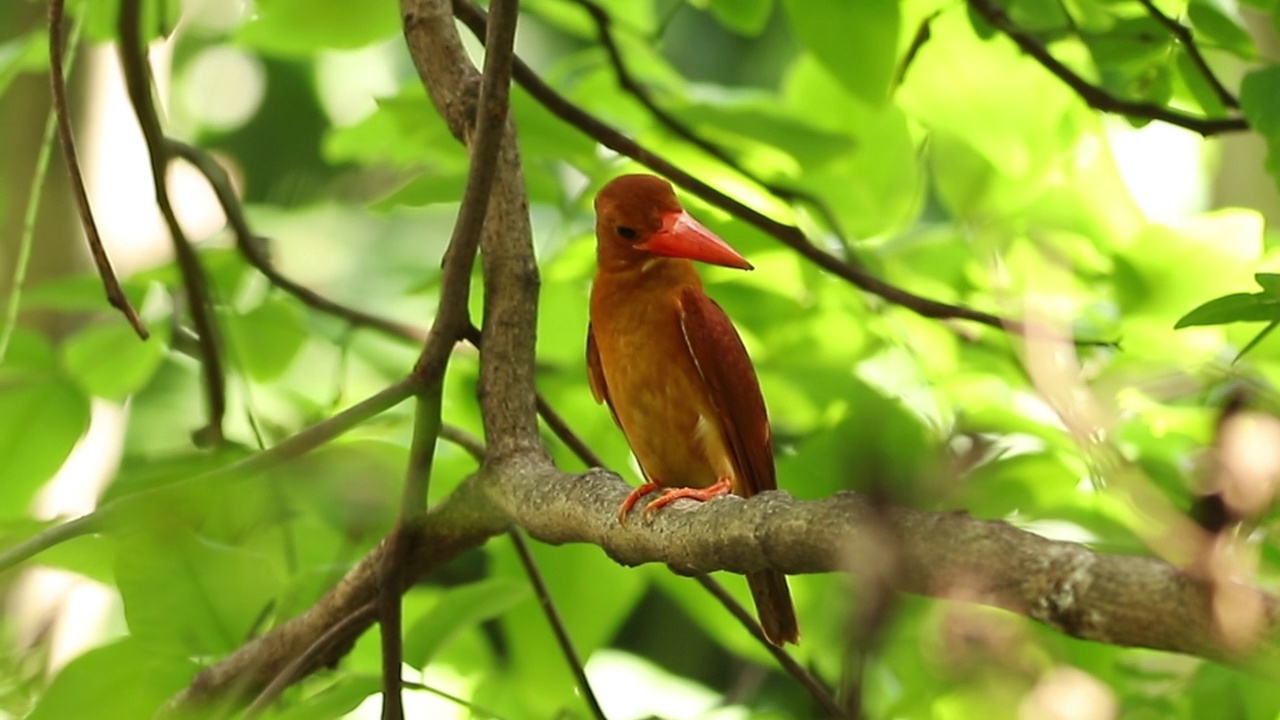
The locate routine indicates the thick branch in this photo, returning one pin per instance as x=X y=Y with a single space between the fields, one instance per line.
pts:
x=1116 y=599
x=510 y=272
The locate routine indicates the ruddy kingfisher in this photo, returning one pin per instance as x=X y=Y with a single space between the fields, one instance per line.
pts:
x=673 y=369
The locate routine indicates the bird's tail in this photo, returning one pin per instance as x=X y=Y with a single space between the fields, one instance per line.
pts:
x=774 y=607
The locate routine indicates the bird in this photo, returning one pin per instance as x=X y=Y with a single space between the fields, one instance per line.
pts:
x=672 y=368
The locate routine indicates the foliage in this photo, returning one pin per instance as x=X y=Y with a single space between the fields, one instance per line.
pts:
x=914 y=137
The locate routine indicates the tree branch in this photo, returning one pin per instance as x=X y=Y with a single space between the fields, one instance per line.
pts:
x=510 y=271
x=250 y=246
x=1121 y=600
x=788 y=235
x=604 y=31
x=137 y=76
x=1094 y=96
x=576 y=666
x=58 y=80
x=1183 y=35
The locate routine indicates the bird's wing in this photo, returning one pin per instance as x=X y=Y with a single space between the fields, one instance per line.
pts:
x=731 y=382
x=595 y=373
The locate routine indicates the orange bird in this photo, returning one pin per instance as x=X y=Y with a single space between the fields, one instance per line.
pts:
x=672 y=368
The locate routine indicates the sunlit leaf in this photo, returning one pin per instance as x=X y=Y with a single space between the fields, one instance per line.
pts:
x=747 y=17
x=299 y=27
x=855 y=41
x=1198 y=85
x=125 y=680
x=1260 y=101
x=1239 y=307
x=1214 y=28
x=42 y=415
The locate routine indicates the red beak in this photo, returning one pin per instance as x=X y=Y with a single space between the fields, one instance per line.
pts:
x=683 y=237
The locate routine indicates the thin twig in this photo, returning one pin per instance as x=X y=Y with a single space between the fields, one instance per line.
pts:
x=57 y=79
x=793 y=668
x=249 y=244
x=1094 y=96
x=474 y=18
x=476 y=710
x=304 y=663
x=452 y=321
x=1183 y=34
x=558 y=426
x=604 y=31
x=413 y=508
x=137 y=76
x=561 y=430
x=473 y=445
x=923 y=34
x=557 y=624
x=390 y=621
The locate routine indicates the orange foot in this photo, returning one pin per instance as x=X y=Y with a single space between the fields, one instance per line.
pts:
x=714 y=490
x=633 y=498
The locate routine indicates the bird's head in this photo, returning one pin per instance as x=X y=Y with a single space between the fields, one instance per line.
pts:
x=638 y=217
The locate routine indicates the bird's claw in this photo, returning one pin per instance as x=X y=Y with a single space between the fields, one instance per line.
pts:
x=633 y=498
x=714 y=490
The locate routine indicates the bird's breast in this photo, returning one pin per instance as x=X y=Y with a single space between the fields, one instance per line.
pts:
x=658 y=395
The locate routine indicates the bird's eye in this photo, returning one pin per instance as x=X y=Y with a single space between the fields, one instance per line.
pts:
x=628 y=233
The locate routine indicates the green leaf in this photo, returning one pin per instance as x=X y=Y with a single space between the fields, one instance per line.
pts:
x=762 y=120
x=302 y=27
x=426 y=189
x=1197 y=84
x=1260 y=101
x=867 y=168
x=337 y=701
x=1039 y=16
x=1257 y=339
x=856 y=41
x=28 y=52
x=745 y=17
x=78 y=293
x=111 y=361
x=42 y=416
x=1238 y=307
x=267 y=338
x=1213 y=26
x=404 y=131
x=1269 y=282
x=184 y=592
x=460 y=608
x=323 y=481
x=574 y=575
x=125 y=680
